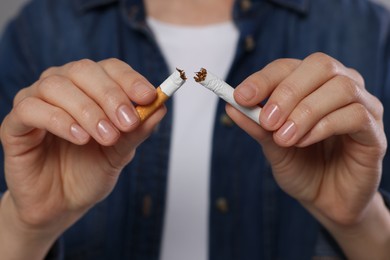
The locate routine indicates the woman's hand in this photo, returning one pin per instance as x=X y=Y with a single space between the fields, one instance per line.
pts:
x=322 y=133
x=67 y=138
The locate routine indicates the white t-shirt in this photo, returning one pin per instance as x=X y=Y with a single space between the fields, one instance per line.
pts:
x=185 y=233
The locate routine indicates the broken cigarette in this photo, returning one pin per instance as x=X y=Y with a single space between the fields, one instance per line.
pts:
x=164 y=91
x=225 y=91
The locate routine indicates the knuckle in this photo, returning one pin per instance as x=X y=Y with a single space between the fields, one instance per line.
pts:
x=80 y=66
x=131 y=78
x=20 y=96
x=363 y=114
x=286 y=64
x=325 y=63
x=326 y=125
x=109 y=63
x=288 y=91
x=48 y=72
x=113 y=61
x=115 y=64
x=55 y=119
x=379 y=108
x=259 y=79
x=23 y=107
x=305 y=110
x=111 y=95
x=50 y=85
x=87 y=110
x=349 y=87
x=357 y=77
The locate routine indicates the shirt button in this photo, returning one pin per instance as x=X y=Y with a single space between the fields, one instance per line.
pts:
x=225 y=120
x=147 y=204
x=245 y=5
x=249 y=43
x=222 y=205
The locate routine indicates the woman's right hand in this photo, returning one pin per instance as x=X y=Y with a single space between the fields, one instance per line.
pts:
x=67 y=138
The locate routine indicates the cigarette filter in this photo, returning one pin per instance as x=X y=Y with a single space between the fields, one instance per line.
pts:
x=164 y=91
x=225 y=91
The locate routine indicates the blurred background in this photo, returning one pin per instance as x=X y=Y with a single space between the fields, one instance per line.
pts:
x=8 y=8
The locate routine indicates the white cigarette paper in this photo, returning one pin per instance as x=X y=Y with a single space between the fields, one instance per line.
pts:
x=164 y=91
x=173 y=82
x=225 y=91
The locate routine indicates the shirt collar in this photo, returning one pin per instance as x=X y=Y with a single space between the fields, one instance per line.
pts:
x=295 y=5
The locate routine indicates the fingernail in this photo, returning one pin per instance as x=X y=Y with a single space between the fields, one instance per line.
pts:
x=287 y=131
x=272 y=114
x=126 y=116
x=106 y=131
x=78 y=132
x=246 y=92
x=142 y=89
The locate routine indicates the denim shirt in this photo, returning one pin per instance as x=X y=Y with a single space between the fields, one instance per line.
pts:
x=250 y=217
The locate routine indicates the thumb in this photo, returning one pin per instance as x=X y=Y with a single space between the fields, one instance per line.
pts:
x=273 y=152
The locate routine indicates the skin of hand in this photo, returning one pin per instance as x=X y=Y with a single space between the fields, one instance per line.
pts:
x=67 y=138
x=322 y=133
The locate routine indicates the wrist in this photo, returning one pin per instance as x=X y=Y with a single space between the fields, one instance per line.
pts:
x=20 y=240
x=367 y=238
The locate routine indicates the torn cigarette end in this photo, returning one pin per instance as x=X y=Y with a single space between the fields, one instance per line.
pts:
x=182 y=74
x=225 y=91
x=164 y=91
x=200 y=75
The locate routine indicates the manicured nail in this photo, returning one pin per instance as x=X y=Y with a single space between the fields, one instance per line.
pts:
x=106 y=131
x=272 y=114
x=246 y=92
x=287 y=131
x=126 y=116
x=78 y=132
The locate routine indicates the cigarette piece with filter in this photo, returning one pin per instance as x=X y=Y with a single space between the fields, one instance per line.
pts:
x=164 y=91
x=225 y=91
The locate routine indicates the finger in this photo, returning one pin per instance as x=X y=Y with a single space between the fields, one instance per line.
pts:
x=62 y=93
x=248 y=125
x=272 y=151
x=356 y=76
x=29 y=91
x=50 y=72
x=137 y=88
x=123 y=150
x=334 y=94
x=260 y=85
x=33 y=113
x=22 y=94
x=312 y=73
x=371 y=102
x=353 y=120
x=92 y=79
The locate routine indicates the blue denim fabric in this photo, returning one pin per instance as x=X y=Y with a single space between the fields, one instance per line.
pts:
x=260 y=221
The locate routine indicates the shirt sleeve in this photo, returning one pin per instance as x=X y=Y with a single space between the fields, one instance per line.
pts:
x=57 y=251
x=327 y=248
x=386 y=197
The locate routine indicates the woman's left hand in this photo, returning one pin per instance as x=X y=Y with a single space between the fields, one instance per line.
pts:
x=321 y=131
